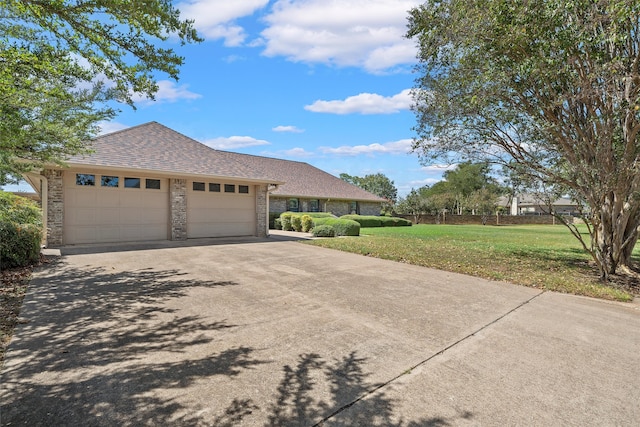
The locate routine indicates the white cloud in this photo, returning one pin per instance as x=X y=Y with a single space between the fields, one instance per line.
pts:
x=402 y=146
x=359 y=33
x=292 y=129
x=296 y=152
x=439 y=168
x=168 y=91
x=215 y=18
x=110 y=127
x=364 y=103
x=234 y=142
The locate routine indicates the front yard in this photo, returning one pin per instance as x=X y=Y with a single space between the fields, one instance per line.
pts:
x=542 y=256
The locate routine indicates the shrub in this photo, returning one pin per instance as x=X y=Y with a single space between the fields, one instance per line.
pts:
x=273 y=217
x=285 y=220
x=296 y=222
x=19 y=244
x=395 y=222
x=277 y=224
x=364 y=220
x=313 y=214
x=323 y=231
x=19 y=210
x=343 y=227
x=307 y=223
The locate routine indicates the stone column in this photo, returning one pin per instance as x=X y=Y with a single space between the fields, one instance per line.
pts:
x=262 y=211
x=55 y=207
x=178 y=212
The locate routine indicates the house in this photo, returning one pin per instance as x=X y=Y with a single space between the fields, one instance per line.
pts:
x=150 y=182
x=530 y=204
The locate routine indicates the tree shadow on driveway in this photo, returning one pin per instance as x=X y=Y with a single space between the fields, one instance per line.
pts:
x=105 y=349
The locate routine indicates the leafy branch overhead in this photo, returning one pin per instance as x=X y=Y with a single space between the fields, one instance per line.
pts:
x=549 y=87
x=61 y=62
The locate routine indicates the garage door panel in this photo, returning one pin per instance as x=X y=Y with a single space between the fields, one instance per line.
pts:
x=219 y=214
x=95 y=214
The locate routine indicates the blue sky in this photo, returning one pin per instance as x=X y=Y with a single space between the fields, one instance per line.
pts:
x=320 y=81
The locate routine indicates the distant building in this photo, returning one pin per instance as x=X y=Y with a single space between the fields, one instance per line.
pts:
x=530 y=204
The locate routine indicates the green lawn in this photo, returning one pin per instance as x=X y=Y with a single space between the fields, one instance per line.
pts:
x=541 y=256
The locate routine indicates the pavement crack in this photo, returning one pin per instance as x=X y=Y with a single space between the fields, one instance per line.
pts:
x=417 y=365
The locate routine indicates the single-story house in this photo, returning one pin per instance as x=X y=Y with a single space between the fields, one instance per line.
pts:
x=530 y=204
x=150 y=182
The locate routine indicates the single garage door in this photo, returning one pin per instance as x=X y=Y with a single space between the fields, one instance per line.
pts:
x=100 y=208
x=218 y=209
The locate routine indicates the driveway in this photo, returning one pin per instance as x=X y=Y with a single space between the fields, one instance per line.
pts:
x=263 y=332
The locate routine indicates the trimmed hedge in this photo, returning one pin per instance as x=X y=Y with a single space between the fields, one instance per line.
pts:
x=388 y=221
x=19 y=244
x=378 y=221
x=307 y=223
x=285 y=221
x=343 y=227
x=311 y=214
x=323 y=231
x=296 y=222
x=364 y=220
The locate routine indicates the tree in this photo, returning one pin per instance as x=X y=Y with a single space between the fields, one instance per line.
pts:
x=548 y=85
x=468 y=178
x=53 y=56
x=416 y=203
x=377 y=184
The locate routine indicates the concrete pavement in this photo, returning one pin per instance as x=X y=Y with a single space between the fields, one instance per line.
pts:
x=261 y=332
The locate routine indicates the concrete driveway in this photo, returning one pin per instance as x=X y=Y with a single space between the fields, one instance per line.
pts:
x=263 y=332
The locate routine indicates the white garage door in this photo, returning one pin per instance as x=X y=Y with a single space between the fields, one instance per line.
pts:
x=106 y=207
x=218 y=209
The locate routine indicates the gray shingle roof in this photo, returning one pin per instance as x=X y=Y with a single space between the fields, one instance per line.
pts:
x=154 y=147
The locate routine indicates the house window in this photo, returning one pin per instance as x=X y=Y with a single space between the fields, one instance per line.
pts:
x=353 y=208
x=198 y=186
x=152 y=184
x=109 y=181
x=85 y=179
x=244 y=189
x=314 y=205
x=214 y=188
x=131 y=182
x=229 y=188
x=294 y=205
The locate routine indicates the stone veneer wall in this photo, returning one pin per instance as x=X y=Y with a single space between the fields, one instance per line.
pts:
x=336 y=207
x=277 y=204
x=55 y=207
x=262 y=216
x=178 y=211
x=370 y=208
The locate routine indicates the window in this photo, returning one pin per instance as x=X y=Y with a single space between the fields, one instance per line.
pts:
x=214 y=187
x=314 y=205
x=109 y=181
x=152 y=184
x=198 y=186
x=353 y=208
x=131 y=182
x=85 y=179
x=244 y=189
x=229 y=188
x=294 y=205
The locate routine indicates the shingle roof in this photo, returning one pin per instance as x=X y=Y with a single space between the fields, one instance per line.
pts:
x=303 y=180
x=154 y=147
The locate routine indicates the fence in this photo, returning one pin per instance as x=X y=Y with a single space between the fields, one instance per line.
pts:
x=477 y=219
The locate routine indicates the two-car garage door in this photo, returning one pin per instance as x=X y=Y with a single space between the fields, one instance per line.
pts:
x=109 y=207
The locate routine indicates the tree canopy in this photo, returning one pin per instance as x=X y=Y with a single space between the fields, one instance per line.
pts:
x=61 y=61
x=548 y=86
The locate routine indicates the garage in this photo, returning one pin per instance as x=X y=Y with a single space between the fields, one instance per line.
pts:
x=110 y=207
x=217 y=209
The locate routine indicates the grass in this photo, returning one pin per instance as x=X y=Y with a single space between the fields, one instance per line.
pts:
x=541 y=256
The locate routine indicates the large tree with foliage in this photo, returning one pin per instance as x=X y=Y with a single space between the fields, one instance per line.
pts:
x=547 y=85
x=378 y=184
x=60 y=61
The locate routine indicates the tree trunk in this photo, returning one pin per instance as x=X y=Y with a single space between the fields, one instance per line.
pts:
x=616 y=233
